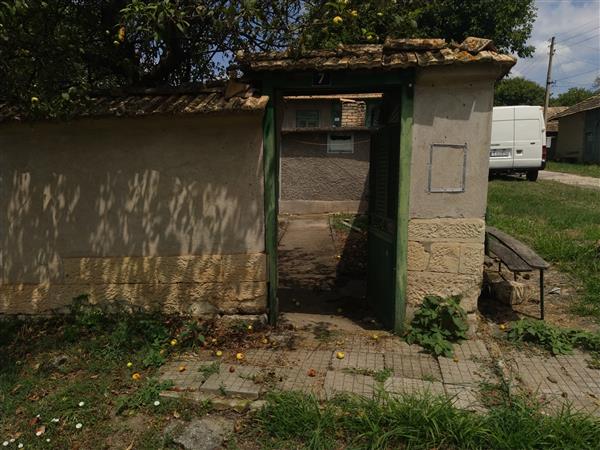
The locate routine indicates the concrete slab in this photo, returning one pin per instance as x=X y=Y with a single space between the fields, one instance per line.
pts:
x=464 y=371
x=298 y=379
x=266 y=358
x=411 y=365
x=186 y=375
x=346 y=383
x=465 y=397
x=401 y=385
x=359 y=360
x=240 y=383
x=310 y=359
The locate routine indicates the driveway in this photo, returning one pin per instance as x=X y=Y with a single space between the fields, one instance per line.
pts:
x=571 y=179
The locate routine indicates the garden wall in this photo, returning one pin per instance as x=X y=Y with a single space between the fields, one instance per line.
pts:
x=163 y=212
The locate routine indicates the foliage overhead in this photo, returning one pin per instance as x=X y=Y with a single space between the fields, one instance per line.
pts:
x=54 y=52
x=571 y=97
x=518 y=91
x=508 y=23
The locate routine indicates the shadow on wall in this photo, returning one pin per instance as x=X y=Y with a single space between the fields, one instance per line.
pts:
x=123 y=190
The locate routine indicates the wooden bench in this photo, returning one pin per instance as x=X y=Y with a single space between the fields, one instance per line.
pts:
x=516 y=256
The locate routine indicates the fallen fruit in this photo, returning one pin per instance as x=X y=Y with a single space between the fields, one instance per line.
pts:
x=129 y=364
x=340 y=355
x=375 y=337
x=503 y=326
x=136 y=376
x=181 y=368
x=250 y=327
x=239 y=356
x=173 y=342
x=312 y=373
x=265 y=341
x=219 y=353
x=231 y=369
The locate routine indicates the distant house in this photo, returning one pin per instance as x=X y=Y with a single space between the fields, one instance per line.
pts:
x=579 y=125
x=552 y=129
x=325 y=147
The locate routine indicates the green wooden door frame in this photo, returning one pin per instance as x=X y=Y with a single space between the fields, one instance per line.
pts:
x=275 y=85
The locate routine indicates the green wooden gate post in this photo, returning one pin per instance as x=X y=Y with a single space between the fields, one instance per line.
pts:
x=406 y=122
x=270 y=199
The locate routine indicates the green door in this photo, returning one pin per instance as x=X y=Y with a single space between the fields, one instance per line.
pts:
x=384 y=188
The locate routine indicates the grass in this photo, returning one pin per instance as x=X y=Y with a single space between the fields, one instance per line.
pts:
x=588 y=170
x=562 y=223
x=75 y=369
x=295 y=420
x=360 y=221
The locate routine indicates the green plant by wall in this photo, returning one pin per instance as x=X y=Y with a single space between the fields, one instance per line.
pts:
x=558 y=341
x=437 y=324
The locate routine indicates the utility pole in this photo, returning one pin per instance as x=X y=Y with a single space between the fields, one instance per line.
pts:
x=549 y=77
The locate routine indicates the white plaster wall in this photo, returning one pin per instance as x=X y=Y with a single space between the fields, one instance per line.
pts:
x=154 y=186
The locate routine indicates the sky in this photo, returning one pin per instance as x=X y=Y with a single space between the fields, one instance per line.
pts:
x=576 y=27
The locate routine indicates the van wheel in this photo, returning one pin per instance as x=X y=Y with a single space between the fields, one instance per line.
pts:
x=532 y=175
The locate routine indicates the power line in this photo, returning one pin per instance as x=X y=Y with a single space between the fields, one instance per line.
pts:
x=584 y=40
x=572 y=33
x=580 y=33
x=579 y=74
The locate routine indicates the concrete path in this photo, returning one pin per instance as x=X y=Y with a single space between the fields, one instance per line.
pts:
x=571 y=179
x=366 y=366
x=310 y=289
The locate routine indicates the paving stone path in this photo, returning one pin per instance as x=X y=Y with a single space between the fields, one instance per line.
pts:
x=404 y=369
x=396 y=368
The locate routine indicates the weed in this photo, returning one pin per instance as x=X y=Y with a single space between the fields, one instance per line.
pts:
x=382 y=375
x=143 y=396
x=594 y=361
x=295 y=420
x=437 y=324
x=209 y=369
x=558 y=341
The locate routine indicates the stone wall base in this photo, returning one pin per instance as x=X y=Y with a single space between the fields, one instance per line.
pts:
x=445 y=258
x=194 y=285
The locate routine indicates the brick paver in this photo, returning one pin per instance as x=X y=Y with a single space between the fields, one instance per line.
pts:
x=185 y=375
x=400 y=385
x=310 y=359
x=359 y=360
x=342 y=382
x=556 y=380
x=418 y=366
x=240 y=383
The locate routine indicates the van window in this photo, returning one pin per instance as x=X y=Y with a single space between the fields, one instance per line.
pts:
x=502 y=130
x=527 y=130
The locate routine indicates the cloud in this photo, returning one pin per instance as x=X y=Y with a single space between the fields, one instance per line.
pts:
x=576 y=26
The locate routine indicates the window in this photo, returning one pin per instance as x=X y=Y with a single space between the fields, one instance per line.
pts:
x=307 y=118
x=336 y=114
x=340 y=143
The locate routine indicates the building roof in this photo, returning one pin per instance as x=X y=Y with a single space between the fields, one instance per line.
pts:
x=551 y=124
x=393 y=54
x=589 y=103
x=219 y=98
x=340 y=97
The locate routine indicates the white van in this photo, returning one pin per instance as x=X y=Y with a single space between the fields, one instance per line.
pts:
x=518 y=140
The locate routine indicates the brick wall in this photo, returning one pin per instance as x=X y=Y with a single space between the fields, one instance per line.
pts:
x=353 y=113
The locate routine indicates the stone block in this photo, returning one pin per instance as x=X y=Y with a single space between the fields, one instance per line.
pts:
x=509 y=292
x=418 y=257
x=448 y=230
x=471 y=258
x=445 y=258
x=421 y=284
